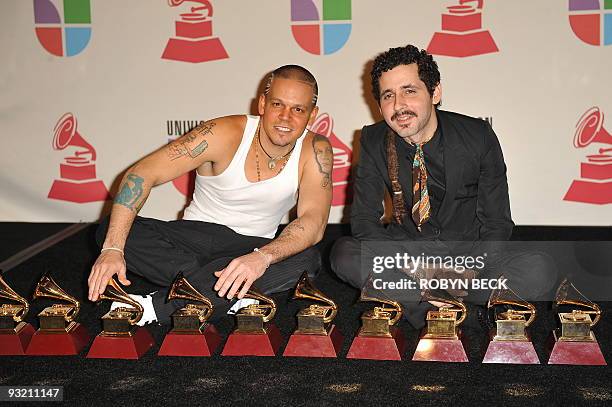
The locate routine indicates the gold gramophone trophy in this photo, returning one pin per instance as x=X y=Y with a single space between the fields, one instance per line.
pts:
x=254 y=335
x=59 y=333
x=441 y=338
x=378 y=338
x=315 y=336
x=15 y=333
x=121 y=338
x=191 y=335
x=510 y=342
x=575 y=342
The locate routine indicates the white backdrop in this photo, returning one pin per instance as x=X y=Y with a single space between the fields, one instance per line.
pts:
x=534 y=89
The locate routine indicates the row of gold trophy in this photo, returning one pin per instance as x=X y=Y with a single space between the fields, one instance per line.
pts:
x=316 y=336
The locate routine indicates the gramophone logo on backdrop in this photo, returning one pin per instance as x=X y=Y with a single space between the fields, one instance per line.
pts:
x=77 y=182
x=63 y=33
x=462 y=34
x=324 y=125
x=194 y=41
x=590 y=23
x=595 y=183
x=321 y=35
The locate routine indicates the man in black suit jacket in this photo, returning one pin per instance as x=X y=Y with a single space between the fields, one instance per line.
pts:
x=466 y=181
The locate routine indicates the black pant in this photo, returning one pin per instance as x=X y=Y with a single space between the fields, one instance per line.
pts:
x=531 y=274
x=159 y=250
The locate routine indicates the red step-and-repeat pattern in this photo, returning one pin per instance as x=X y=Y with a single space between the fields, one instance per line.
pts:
x=90 y=86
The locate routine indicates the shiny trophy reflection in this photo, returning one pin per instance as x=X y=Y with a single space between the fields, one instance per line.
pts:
x=191 y=335
x=120 y=337
x=315 y=336
x=254 y=335
x=510 y=342
x=575 y=342
x=15 y=333
x=378 y=338
x=59 y=333
x=441 y=338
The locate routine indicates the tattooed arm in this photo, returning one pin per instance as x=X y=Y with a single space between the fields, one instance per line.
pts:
x=314 y=202
x=169 y=162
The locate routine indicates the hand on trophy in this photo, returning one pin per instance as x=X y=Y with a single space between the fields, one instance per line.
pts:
x=109 y=263
x=241 y=272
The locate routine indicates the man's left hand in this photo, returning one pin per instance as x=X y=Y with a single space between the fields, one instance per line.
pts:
x=242 y=271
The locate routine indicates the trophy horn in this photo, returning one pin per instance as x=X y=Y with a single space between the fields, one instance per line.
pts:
x=507 y=296
x=268 y=303
x=7 y=292
x=306 y=290
x=114 y=292
x=568 y=294
x=182 y=289
x=48 y=288
x=447 y=299
x=394 y=308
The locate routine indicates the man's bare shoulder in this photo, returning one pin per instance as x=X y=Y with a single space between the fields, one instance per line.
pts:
x=226 y=126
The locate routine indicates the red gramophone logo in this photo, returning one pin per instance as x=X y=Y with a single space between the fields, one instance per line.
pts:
x=462 y=34
x=194 y=41
x=77 y=181
x=342 y=195
x=595 y=183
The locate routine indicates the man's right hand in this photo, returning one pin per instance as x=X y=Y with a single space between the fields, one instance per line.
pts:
x=109 y=263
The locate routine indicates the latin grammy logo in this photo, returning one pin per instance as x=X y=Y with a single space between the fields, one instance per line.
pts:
x=77 y=181
x=595 y=183
x=462 y=34
x=194 y=41
x=324 y=125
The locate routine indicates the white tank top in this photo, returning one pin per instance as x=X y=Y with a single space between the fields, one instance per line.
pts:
x=248 y=208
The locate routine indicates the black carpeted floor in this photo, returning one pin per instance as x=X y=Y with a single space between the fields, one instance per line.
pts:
x=289 y=381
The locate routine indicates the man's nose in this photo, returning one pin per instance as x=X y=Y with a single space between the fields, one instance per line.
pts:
x=284 y=113
x=399 y=103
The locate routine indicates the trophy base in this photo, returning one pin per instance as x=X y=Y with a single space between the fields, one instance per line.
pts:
x=315 y=346
x=244 y=344
x=517 y=352
x=440 y=349
x=92 y=191
x=191 y=344
x=209 y=49
x=378 y=348
x=462 y=45
x=121 y=347
x=16 y=343
x=59 y=343
x=586 y=353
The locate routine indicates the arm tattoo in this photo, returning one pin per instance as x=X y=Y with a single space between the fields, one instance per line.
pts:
x=325 y=158
x=129 y=196
x=185 y=145
x=287 y=235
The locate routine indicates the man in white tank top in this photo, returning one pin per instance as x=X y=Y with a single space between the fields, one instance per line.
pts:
x=249 y=172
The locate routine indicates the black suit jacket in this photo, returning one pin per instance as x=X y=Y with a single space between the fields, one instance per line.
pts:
x=475 y=205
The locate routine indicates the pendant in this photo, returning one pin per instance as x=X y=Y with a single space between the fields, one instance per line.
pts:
x=271 y=164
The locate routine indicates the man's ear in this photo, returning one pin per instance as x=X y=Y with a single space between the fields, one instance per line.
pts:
x=313 y=115
x=261 y=104
x=437 y=94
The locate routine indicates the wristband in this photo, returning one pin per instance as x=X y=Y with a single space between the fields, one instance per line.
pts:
x=113 y=248
x=264 y=256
